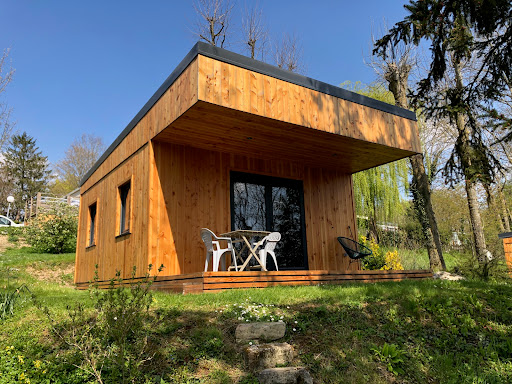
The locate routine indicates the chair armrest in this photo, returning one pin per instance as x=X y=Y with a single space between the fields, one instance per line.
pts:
x=224 y=238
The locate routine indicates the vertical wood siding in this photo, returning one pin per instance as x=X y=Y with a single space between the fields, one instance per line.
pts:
x=190 y=190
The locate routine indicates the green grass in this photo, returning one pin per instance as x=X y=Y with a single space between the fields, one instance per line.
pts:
x=445 y=332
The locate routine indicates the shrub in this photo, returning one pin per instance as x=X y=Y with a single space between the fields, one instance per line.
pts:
x=54 y=229
x=14 y=234
x=111 y=342
x=378 y=260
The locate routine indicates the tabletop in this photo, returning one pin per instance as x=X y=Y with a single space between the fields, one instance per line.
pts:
x=239 y=233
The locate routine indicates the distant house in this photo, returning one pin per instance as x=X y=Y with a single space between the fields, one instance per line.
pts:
x=226 y=143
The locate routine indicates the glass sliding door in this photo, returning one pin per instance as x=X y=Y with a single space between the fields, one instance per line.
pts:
x=272 y=204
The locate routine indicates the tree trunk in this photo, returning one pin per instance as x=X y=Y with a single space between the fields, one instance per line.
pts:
x=423 y=204
x=397 y=78
x=464 y=152
x=504 y=212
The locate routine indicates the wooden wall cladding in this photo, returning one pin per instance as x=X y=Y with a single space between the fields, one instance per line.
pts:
x=507 y=244
x=189 y=190
x=176 y=100
x=113 y=253
x=240 y=89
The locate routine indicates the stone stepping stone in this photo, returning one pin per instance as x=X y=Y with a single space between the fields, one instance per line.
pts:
x=291 y=375
x=260 y=331
x=263 y=356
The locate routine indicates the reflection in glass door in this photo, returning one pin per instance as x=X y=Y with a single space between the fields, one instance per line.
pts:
x=272 y=204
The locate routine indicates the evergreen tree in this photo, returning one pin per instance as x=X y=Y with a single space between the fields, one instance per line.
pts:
x=28 y=169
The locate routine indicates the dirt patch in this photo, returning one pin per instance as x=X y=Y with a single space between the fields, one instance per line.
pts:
x=62 y=275
x=4 y=244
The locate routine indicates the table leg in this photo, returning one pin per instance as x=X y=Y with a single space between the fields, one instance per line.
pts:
x=252 y=253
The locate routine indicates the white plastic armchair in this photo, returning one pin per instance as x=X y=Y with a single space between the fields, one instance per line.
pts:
x=213 y=249
x=270 y=242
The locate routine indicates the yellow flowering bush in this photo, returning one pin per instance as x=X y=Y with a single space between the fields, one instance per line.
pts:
x=377 y=260
x=393 y=261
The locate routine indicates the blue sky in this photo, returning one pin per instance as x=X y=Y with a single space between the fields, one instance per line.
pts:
x=89 y=66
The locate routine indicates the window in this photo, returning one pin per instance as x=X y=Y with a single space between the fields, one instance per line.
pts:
x=124 y=212
x=4 y=221
x=272 y=204
x=92 y=224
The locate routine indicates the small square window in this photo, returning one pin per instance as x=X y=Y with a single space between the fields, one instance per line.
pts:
x=124 y=213
x=92 y=224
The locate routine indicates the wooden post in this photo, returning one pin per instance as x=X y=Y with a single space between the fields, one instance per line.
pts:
x=507 y=244
x=38 y=202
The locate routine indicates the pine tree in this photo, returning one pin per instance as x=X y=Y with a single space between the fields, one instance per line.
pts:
x=28 y=169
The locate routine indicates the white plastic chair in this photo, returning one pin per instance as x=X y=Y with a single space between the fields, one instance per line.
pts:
x=211 y=242
x=270 y=242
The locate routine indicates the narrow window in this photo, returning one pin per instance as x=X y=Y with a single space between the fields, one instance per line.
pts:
x=92 y=224
x=124 y=214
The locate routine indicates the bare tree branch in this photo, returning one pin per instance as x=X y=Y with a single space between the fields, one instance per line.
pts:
x=254 y=32
x=213 y=18
x=288 y=54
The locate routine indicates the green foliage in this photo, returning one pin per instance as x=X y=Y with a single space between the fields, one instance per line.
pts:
x=392 y=356
x=9 y=299
x=54 y=229
x=14 y=234
x=26 y=167
x=15 y=368
x=379 y=191
x=112 y=341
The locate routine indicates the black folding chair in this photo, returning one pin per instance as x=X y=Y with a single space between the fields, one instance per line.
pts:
x=353 y=249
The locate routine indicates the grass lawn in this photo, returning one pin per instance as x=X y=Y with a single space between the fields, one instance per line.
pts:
x=444 y=332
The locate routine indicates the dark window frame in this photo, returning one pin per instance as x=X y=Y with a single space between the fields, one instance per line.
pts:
x=93 y=213
x=270 y=181
x=124 y=193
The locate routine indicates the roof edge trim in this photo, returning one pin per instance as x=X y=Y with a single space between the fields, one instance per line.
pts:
x=220 y=54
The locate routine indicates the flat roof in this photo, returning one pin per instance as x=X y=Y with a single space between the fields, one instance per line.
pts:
x=220 y=54
x=505 y=235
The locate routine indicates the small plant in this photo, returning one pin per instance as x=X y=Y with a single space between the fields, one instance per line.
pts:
x=9 y=299
x=15 y=368
x=392 y=356
x=54 y=229
x=112 y=341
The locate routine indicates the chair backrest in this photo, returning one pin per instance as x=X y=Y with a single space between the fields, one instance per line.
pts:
x=271 y=241
x=207 y=237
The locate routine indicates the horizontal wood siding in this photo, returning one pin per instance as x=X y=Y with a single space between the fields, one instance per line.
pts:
x=219 y=281
x=190 y=190
x=230 y=86
x=112 y=253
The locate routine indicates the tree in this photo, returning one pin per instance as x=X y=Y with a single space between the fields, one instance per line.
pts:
x=6 y=126
x=395 y=70
x=379 y=190
x=254 y=32
x=213 y=17
x=27 y=167
x=79 y=158
x=288 y=54
x=459 y=31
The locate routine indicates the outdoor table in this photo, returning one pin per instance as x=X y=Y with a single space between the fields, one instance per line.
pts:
x=243 y=236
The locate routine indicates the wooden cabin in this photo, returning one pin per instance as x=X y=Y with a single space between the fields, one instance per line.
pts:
x=228 y=142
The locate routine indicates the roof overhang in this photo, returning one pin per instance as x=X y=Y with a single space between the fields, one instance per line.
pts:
x=217 y=99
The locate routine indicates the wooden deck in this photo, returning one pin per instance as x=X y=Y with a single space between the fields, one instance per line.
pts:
x=218 y=281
